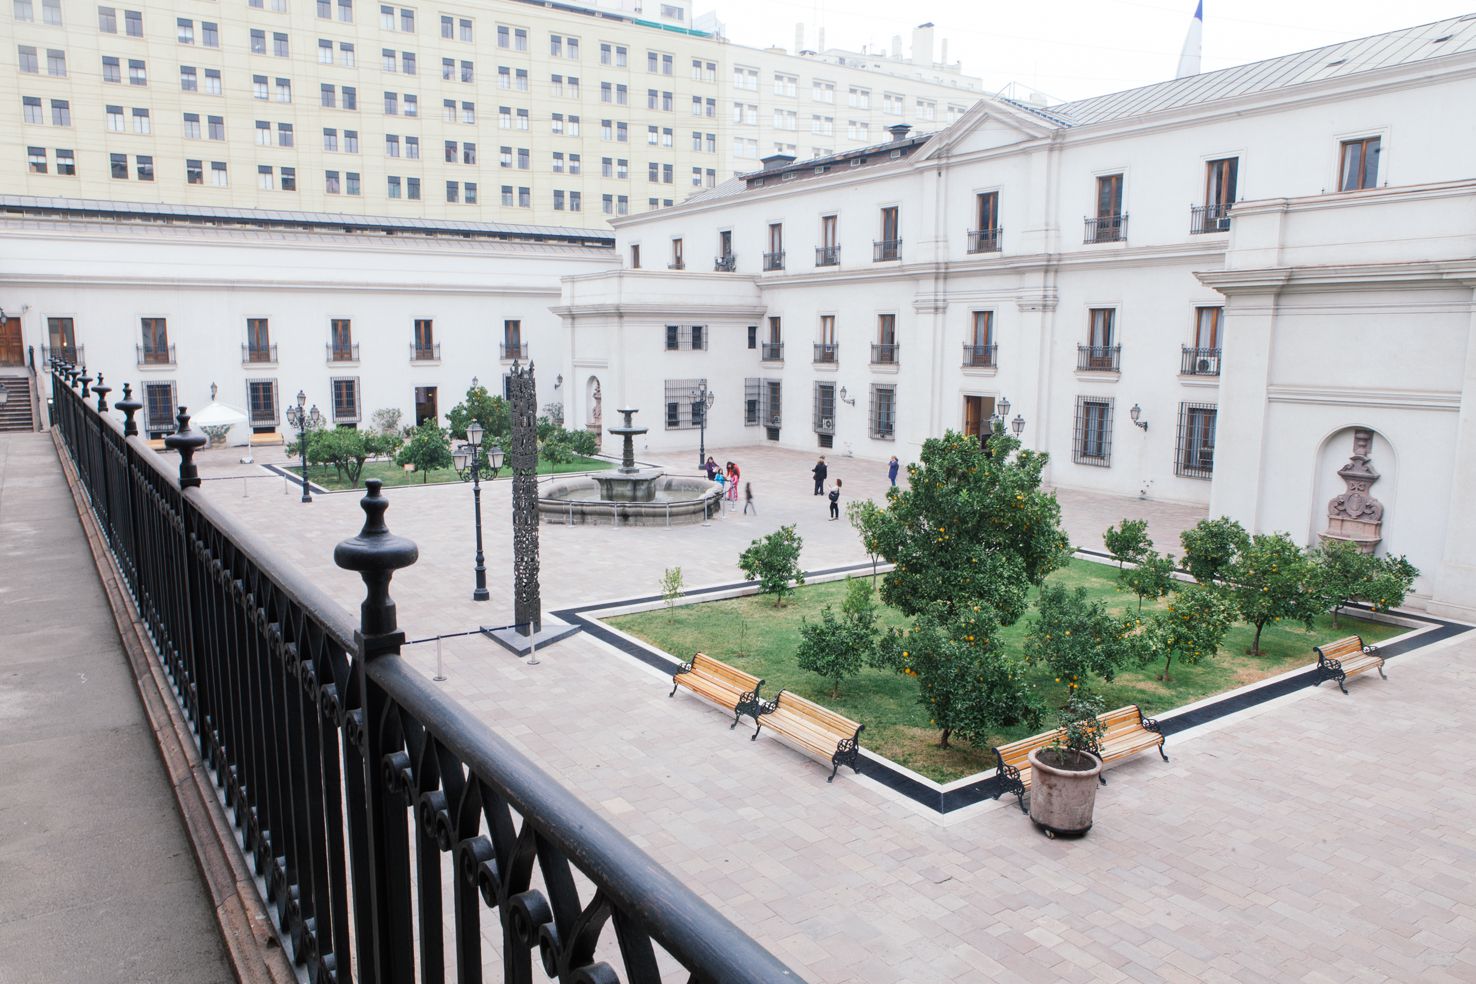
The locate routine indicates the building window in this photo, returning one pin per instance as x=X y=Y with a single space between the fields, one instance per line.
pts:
x=261 y=399
x=1092 y=437
x=824 y=411
x=883 y=413
x=1108 y=225
x=1194 y=455
x=884 y=350
x=683 y=411
x=61 y=112
x=1360 y=164
x=678 y=261
x=159 y=409
x=289 y=179
x=258 y=347
x=194 y=172
x=1219 y=195
x=984 y=238
x=1101 y=351
x=155 y=349
x=341 y=340
x=979 y=349
x=119 y=166
x=346 y=400
x=66 y=162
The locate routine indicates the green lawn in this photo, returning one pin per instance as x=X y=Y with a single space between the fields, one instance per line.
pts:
x=752 y=634
x=392 y=474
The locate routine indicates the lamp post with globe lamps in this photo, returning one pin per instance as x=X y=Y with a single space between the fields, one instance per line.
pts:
x=471 y=463
x=304 y=419
x=702 y=400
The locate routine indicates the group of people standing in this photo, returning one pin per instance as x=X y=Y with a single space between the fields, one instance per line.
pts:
x=727 y=476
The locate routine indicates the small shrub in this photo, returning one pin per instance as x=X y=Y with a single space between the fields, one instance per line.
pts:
x=1273 y=578
x=671 y=588
x=1127 y=541
x=1188 y=629
x=836 y=648
x=773 y=561
x=1211 y=546
x=1076 y=638
x=1151 y=577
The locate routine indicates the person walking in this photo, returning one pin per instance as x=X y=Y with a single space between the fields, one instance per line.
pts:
x=892 y=471
x=835 y=501
x=748 y=506
x=820 y=471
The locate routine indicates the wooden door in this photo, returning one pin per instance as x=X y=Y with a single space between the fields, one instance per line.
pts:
x=977 y=411
x=12 y=351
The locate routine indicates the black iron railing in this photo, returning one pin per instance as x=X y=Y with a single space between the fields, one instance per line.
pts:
x=771 y=351
x=258 y=354
x=677 y=265
x=425 y=353
x=1200 y=362
x=725 y=264
x=1099 y=358
x=342 y=353
x=827 y=353
x=1209 y=218
x=979 y=356
x=74 y=354
x=884 y=353
x=827 y=256
x=774 y=261
x=886 y=249
x=1106 y=228
x=986 y=240
x=160 y=356
x=514 y=350
x=356 y=786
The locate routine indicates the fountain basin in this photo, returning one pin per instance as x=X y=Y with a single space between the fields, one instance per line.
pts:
x=673 y=500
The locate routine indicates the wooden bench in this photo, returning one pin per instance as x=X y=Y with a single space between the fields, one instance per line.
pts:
x=1347 y=657
x=816 y=729
x=1122 y=733
x=724 y=685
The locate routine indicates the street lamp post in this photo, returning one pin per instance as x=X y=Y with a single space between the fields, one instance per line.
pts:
x=470 y=463
x=302 y=418
x=702 y=400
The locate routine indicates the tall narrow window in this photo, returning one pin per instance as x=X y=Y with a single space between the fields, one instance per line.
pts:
x=1092 y=443
x=889 y=247
x=1219 y=195
x=155 y=350
x=826 y=350
x=258 y=341
x=884 y=352
x=1203 y=357
x=1107 y=225
x=1194 y=455
x=828 y=252
x=513 y=346
x=985 y=236
x=341 y=340
x=883 y=413
x=979 y=349
x=678 y=261
x=346 y=401
x=425 y=348
x=1360 y=164
x=1101 y=349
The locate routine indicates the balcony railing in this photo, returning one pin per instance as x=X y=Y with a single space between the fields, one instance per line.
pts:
x=352 y=780
x=771 y=351
x=150 y=356
x=1099 y=358
x=884 y=353
x=725 y=264
x=773 y=261
x=1106 y=228
x=677 y=265
x=979 y=356
x=514 y=350
x=1200 y=362
x=342 y=353
x=827 y=256
x=1209 y=218
x=262 y=416
x=258 y=354
x=425 y=353
x=886 y=249
x=986 y=240
x=826 y=354
x=74 y=354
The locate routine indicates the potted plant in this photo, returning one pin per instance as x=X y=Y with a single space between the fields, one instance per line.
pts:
x=1063 y=785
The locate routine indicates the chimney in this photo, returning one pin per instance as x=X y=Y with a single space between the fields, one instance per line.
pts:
x=776 y=161
x=799 y=37
x=897 y=130
x=897 y=47
x=922 y=44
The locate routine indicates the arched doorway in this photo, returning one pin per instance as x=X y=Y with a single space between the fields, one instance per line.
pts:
x=594 y=413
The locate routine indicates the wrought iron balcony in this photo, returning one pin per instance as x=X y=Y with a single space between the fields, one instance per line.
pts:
x=348 y=352
x=1106 y=228
x=1200 y=362
x=1209 y=218
x=771 y=351
x=425 y=353
x=152 y=356
x=74 y=354
x=884 y=353
x=979 y=356
x=886 y=249
x=263 y=416
x=514 y=350
x=351 y=779
x=258 y=354
x=677 y=265
x=827 y=354
x=725 y=264
x=773 y=261
x=1099 y=358
x=986 y=240
x=827 y=256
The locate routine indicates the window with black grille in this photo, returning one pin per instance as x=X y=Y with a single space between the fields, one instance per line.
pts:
x=679 y=337
x=683 y=412
x=1194 y=450
x=261 y=398
x=1092 y=436
x=346 y=400
x=772 y=404
x=883 y=412
x=159 y=408
x=753 y=390
x=824 y=408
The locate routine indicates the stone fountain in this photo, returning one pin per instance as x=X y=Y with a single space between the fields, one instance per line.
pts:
x=629 y=495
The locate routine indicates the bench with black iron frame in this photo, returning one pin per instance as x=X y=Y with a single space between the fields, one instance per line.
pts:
x=816 y=729
x=1347 y=657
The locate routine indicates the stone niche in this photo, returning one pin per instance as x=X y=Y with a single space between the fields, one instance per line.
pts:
x=1354 y=514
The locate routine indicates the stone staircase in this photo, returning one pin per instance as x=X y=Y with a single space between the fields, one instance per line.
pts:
x=16 y=412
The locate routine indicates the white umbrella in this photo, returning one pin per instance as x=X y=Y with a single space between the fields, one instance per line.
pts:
x=218 y=415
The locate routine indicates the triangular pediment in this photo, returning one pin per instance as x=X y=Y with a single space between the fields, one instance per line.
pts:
x=988 y=125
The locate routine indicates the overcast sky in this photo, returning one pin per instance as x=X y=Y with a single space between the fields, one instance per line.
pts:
x=1074 y=48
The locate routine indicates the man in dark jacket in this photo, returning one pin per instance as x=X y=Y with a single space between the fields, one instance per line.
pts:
x=820 y=471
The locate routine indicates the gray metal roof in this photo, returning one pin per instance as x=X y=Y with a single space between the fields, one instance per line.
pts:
x=1451 y=36
x=324 y=221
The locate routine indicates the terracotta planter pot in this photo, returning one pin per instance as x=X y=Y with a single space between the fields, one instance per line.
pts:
x=1063 y=795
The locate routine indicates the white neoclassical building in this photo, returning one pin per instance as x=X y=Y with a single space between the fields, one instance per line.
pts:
x=1198 y=290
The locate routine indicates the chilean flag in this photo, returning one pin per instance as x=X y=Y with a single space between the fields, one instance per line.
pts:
x=1189 y=57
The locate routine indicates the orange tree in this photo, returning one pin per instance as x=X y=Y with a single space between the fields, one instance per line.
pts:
x=1272 y=578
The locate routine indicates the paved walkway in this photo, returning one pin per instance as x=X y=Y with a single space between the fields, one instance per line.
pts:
x=1319 y=838
x=97 y=880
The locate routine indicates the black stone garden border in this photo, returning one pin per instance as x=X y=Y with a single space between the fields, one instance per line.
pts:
x=945 y=801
